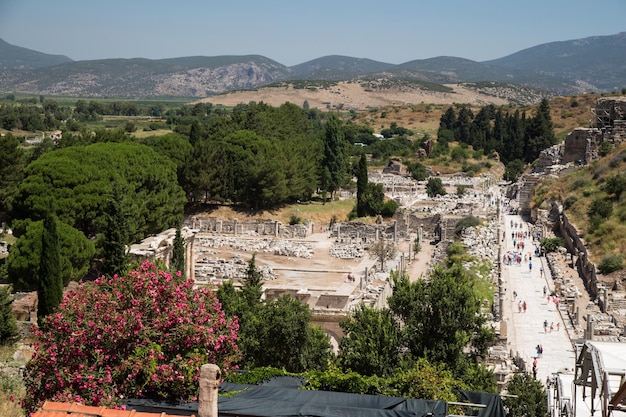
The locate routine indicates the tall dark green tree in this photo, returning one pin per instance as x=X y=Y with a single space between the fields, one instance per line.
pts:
x=252 y=286
x=177 y=262
x=334 y=157
x=539 y=134
x=12 y=161
x=50 y=291
x=115 y=239
x=361 y=186
x=8 y=323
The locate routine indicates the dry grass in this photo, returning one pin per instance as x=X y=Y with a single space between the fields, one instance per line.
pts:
x=314 y=211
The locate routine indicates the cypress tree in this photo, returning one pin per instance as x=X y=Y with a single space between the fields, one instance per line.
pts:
x=361 y=187
x=252 y=286
x=334 y=158
x=115 y=236
x=178 y=254
x=8 y=323
x=50 y=291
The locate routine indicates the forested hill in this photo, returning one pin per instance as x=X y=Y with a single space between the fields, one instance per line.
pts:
x=570 y=67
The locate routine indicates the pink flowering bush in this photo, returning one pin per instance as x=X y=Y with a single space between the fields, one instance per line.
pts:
x=143 y=335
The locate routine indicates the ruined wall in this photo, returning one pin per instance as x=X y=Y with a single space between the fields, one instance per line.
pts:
x=576 y=246
x=261 y=228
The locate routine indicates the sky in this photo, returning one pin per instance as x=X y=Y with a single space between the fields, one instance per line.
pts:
x=292 y=32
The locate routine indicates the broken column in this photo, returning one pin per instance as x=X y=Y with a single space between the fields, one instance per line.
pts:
x=210 y=378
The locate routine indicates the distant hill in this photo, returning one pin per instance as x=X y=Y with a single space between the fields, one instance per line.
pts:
x=18 y=58
x=595 y=64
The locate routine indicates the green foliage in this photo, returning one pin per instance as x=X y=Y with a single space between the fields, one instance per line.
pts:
x=8 y=323
x=279 y=334
x=371 y=345
x=530 y=397
x=256 y=376
x=334 y=156
x=24 y=257
x=569 y=202
x=551 y=244
x=442 y=317
x=427 y=382
x=418 y=171
x=295 y=219
x=599 y=210
x=611 y=263
x=178 y=255
x=615 y=184
x=464 y=223
x=12 y=162
x=389 y=208
x=79 y=179
x=461 y=190
x=49 y=274
x=434 y=187
x=513 y=170
x=353 y=382
x=361 y=187
x=115 y=236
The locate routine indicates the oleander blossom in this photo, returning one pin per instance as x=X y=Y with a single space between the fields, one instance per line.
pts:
x=143 y=335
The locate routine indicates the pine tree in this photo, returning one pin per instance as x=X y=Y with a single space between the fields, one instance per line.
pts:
x=178 y=254
x=50 y=291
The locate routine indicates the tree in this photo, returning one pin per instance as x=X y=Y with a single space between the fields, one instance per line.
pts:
x=334 y=159
x=115 y=234
x=361 y=186
x=143 y=335
x=25 y=256
x=434 y=187
x=527 y=397
x=50 y=289
x=372 y=342
x=8 y=323
x=383 y=250
x=178 y=254
x=441 y=317
x=282 y=337
x=253 y=284
x=79 y=179
x=12 y=161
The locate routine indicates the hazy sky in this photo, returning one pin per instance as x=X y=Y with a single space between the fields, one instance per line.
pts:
x=295 y=31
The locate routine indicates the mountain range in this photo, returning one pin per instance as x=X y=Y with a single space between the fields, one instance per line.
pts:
x=594 y=64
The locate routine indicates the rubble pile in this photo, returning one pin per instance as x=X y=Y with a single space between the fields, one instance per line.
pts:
x=291 y=248
x=346 y=251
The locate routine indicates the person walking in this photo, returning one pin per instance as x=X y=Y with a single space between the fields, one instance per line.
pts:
x=530 y=266
x=524 y=306
x=545 y=326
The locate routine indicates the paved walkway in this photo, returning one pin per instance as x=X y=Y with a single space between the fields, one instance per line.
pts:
x=525 y=330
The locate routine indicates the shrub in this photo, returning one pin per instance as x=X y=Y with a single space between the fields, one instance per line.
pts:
x=611 y=263
x=569 y=202
x=464 y=223
x=295 y=219
x=551 y=244
x=389 y=208
x=144 y=335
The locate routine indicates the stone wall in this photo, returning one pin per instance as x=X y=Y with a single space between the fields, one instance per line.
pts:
x=260 y=228
x=576 y=246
